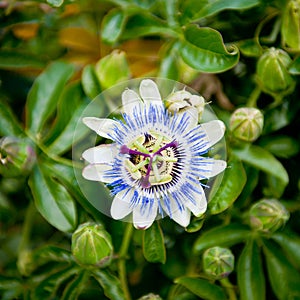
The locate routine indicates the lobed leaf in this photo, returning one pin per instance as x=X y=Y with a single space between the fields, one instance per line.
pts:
x=226 y=236
x=290 y=245
x=44 y=94
x=62 y=135
x=110 y=284
x=74 y=287
x=194 y=10
x=153 y=244
x=52 y=200
x=90 y=82
x=251 y=280
x=284 y=278
x=112 y=25
x=264 y=161
x=203 y=49
x=202 y=288
x=9 y=125
x=230 y=188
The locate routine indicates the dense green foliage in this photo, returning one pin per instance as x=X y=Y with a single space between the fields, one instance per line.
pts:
x=57 y=55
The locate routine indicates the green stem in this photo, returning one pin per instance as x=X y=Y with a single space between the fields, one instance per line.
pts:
x=254 y=97
x=23 y=250
x=122 y=260
x=230 y=289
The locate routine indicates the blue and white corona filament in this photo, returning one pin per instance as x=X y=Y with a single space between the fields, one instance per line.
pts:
x=155 y=163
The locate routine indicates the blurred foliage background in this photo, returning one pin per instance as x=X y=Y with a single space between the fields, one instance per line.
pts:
x=242 y=56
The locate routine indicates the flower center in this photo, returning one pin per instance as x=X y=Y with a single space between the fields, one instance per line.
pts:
x=151 y=159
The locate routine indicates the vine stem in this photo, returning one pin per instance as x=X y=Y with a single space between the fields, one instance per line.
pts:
x=122 y=260
x=229 y=288
x=26 y=233
x=254 y=97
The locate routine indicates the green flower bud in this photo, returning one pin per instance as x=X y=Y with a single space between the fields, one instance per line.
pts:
x=272 y=72
x=112 y=69
x=268 y=215
x=181 y=101
x=150 y=297
x=92 y=245
x=218 y=262
x=246 y=123
x=17 y=157
x=291 y=25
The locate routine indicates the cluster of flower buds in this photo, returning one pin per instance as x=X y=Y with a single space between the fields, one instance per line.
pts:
x=92 y=245
x=268 y=215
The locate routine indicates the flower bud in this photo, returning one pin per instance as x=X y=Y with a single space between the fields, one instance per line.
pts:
x=112 y=69
x=92 y=245
x=272 y=72
x=290 y=24
x=246 y=123
x=181 y=101
x=150 y=297
x=218 y=262
x=268 y=215
x=17 y=157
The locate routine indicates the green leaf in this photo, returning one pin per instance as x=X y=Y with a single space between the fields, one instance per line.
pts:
x=52 y=200
x=153 y=244
x=230 y=188
x=51 y=253
x=49 y=286
x=290 y=28
x=202 y=288
x=55 y=3
x=62 y=135
x=90 y=82
x=294 y=68
x=250 y=48
x=110 y=284
x=112 y=25
x=9 y=126
x=74 y=287
x=264 y=161
x=195 y=10
x=284 y=278
x=203 y=49
x=10 y=288
x=226 y=236
x=290 y=244
x=280 y=145
x=142 y=25
x=43 y=96
x=65 y=175
x=11 y=59
x=251 y=280
x=169 y=67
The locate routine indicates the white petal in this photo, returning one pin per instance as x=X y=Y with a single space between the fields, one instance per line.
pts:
x=130 y=99
x=100 y=154
x=144 y=219
x=200 y=205
x=103 y=127
x=121 y=206
x=149 y=92
x=210 y=167
x=182 y=217
x=214 y=130
x=218 y=167
x=97 y=172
